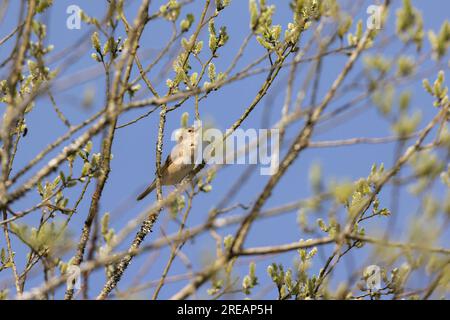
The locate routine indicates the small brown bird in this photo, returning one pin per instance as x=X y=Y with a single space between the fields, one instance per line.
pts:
x=179 y=163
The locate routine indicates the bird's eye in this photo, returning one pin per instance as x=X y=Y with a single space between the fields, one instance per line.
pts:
x=190 y=130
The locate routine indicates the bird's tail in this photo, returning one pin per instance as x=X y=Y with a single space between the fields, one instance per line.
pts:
x=149 y=189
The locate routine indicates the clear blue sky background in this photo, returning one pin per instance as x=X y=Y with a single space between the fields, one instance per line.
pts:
x=134 y=146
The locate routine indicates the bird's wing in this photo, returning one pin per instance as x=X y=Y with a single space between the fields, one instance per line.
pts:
x=152 y=186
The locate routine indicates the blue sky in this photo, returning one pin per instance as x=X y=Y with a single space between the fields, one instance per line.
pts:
x=134 y=146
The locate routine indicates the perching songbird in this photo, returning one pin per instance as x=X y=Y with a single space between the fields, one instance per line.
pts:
x=179 y=163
